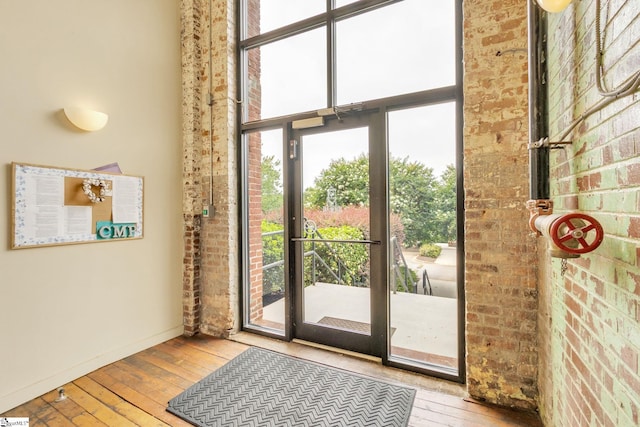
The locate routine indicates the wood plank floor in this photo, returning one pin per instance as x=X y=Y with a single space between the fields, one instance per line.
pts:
x=134 y=391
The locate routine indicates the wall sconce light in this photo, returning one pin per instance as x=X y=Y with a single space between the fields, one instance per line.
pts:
x=554 y=6
x=84 y=119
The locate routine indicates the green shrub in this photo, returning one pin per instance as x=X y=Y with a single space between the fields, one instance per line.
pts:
x=272 y=251
x=354 y=216
x=350 y=262
x=399 y=277
x=430 y=250
x=412 y=275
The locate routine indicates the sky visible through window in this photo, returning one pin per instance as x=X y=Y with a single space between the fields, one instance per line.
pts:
x=401 y=48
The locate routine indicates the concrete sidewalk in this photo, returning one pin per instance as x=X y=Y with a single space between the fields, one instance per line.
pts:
x=441 y=271
x=423 y=323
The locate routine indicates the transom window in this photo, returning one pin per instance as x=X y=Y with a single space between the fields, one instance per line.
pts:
x=300 y=56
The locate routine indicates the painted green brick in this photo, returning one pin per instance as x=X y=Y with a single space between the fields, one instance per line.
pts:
x=625 y=251
x=589 y=161
x=609 y=179
x=613 y=224
x=620 y=201
x=590 y=202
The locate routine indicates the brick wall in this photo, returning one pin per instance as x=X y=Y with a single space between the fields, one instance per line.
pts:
x=192 y=104
x=588 y=322
x=590 y=317
x=220 y=253
x=211 y=262
x=501 y=286
x=254 y=170
x=501 y=273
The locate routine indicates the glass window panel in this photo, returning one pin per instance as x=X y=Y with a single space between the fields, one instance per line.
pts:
x=340 y=3
x=336 y=288
x=423 y=271
x=287 y=76
x=426 y=134
x=266 y=15
x=402 y=48
x=265 y=282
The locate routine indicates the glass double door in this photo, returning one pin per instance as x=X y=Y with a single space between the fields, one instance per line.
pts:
x=337 y=233
x=352 y=237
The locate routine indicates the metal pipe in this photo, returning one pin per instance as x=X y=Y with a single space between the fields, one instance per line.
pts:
x=570 y=234
x=538 y=106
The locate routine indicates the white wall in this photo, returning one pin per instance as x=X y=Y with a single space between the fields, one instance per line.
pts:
x=68 y=310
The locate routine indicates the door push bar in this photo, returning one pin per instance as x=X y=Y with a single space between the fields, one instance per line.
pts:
x=364 y=242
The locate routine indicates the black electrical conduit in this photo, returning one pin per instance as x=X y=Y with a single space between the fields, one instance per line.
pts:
x=539 y=145
x=538 y=122
x=627 y=87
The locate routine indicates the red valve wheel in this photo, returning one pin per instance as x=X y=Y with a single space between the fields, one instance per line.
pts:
x=570 y=233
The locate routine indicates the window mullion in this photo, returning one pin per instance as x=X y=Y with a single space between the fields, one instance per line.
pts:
x=331 y=61
x=284 y=32
x=312 y=22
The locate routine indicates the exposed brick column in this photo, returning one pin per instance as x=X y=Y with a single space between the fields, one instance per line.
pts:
x=191 y=274
x=255 y=225
x=254 y=149
x=211 y=259
x=191 y=16
x=500 y=258
x=220 y=250
x=254 y=63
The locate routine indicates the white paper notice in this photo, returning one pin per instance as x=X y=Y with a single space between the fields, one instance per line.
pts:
x=124 y=202
x=43 y=221
x=77 y=219
x=44 y=190
x=44 y=216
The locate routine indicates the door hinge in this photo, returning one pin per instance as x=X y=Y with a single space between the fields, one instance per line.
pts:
x=293 y=149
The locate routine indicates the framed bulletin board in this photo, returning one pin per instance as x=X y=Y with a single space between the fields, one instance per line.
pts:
x=57 y=206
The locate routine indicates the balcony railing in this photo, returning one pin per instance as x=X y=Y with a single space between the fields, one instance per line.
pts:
x=400 y=271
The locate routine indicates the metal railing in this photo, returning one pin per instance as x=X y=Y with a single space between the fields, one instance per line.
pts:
x=398 y=262
x=338 y=273
x=426 y=283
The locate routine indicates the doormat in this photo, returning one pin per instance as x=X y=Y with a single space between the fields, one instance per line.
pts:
x=349 y=325
x=263 y=388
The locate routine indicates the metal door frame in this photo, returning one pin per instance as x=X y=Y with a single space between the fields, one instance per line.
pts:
x=376 y=343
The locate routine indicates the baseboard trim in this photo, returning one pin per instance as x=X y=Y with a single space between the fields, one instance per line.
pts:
x=18 y=397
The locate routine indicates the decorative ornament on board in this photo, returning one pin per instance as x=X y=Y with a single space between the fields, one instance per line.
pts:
x=87 y=189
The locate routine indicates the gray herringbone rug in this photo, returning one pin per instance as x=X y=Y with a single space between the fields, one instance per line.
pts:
x=263 y=388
